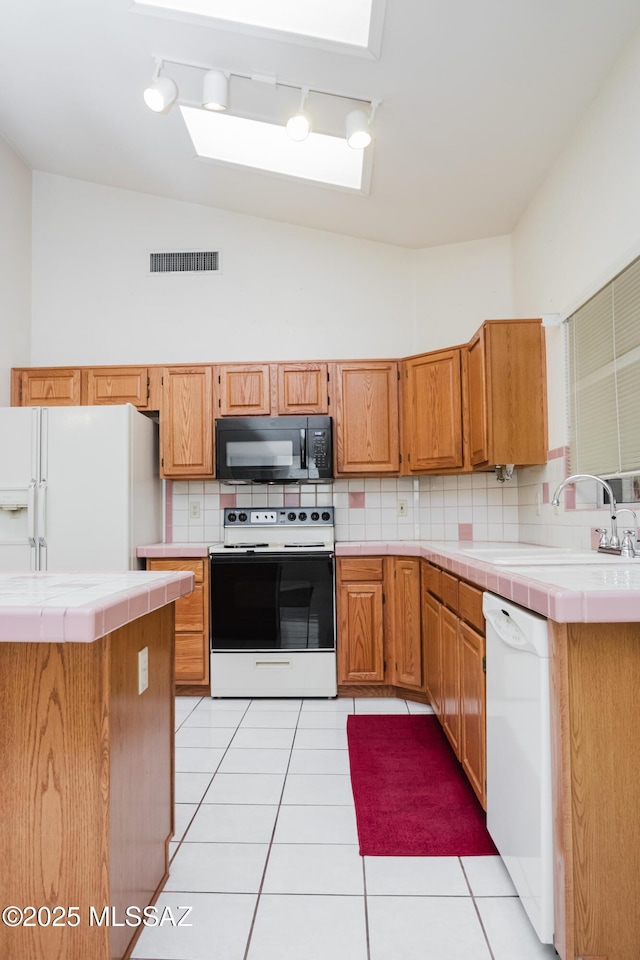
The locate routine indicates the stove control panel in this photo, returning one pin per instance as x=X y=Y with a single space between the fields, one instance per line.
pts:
x=286 y=516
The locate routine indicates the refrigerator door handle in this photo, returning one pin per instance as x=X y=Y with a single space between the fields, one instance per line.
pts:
x=31 y=513
x=42 y=514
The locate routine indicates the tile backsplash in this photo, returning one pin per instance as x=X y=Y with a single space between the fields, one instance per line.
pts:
x=464 y=507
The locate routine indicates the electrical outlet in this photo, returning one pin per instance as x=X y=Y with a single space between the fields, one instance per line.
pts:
x=402 y=508
x=194 y=509
x=143 y=669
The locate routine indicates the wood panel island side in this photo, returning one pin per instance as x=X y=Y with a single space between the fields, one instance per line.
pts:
x=87 y=759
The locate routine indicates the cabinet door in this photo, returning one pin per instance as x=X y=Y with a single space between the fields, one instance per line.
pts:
x=192 y=621
x=432 y=646
x=406 y=642
x=302 y=388
x=450 y=678
x=516 y=381
x=186 y=422
x=478 y=414
x=366 y=424
x=46 y=387
x=433 y=412
x=360 y=633
x=244 y=390
x=472 y=704
x=106 y=385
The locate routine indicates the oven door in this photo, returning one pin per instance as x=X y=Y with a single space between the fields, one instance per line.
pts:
x=257 y=449
x=274 y=601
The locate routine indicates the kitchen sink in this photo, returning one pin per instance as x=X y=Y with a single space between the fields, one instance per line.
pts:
x=527 y=555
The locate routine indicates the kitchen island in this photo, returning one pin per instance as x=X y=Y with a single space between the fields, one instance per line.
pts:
x=87 y=758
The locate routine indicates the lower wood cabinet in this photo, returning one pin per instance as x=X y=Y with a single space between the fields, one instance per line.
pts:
x=379 y=623
x=454 y=656
x=192 y=622
x=360 y=598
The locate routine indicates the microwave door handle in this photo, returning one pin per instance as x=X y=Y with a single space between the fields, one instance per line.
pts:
x=303 y=449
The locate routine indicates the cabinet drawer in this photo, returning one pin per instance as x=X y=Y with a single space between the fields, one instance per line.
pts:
x=192 y=664
x=431 y=577
x=364 y=568
x=190 y=611
x=449 y=586
x=470 y=605
x=197 y=567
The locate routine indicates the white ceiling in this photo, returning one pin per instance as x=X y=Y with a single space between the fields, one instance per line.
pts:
x=478 y=99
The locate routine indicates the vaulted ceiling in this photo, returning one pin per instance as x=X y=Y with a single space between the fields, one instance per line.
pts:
x=478 y=99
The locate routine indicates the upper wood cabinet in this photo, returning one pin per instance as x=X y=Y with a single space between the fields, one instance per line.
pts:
x=433 y=403
x=186 y=422
x=507 y=415
x=244 y=390
x=366 y=418
x=45 y=387
x=478 y=405
x=108 y=385
x=302 y=388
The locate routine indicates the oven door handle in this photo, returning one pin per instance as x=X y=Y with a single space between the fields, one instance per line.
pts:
x=303 y=449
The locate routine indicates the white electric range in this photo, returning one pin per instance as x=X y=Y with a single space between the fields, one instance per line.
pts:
x=273 y=604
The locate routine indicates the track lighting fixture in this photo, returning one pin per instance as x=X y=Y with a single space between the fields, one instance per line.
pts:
x=299 y=125
x=215 y=90
x=161 y=93
x=357 y=130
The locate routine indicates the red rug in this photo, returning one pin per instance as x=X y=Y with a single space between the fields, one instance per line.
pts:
x=412 y=798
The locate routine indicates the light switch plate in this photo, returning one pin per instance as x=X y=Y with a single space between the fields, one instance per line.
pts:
x=143 y=669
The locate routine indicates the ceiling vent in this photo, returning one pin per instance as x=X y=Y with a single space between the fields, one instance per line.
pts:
x=191 y=261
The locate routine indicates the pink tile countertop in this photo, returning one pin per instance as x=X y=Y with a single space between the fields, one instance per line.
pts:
x=173 y=551
x=80 y=607
x=606 y=592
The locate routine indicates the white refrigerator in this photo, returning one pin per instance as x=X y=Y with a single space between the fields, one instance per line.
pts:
x=79 y=488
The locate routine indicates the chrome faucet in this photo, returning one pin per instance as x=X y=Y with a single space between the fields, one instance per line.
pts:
x=613 y=543
x=630 y=538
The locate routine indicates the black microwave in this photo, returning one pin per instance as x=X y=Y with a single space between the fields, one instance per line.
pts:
x=274 y=450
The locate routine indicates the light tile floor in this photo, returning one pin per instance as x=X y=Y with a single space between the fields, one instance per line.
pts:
x=266 y=852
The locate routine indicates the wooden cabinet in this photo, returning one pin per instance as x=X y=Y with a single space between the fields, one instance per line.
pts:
x=472 y=706
x=507 y=411
x=108 y=385
x=478 y=405
x=366 y=418
x=191 y=623
x=244 y=390
x=46 y=387
x=454 y=653
x=360 y=598
x=405 y=647
x=186 y=422
x=302 y=389
x=433 y=404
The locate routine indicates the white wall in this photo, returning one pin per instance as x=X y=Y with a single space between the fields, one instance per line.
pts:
x=457 y=287
x=583 y=225
x=15 y=265
x=283 y=292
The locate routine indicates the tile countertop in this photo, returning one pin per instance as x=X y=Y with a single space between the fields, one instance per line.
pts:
x=173 y=551
x=602 y=592
x=81 y=607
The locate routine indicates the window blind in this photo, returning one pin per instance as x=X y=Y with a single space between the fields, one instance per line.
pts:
x=604 y=378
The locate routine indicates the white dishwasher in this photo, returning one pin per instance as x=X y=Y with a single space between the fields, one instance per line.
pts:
x=519 y=816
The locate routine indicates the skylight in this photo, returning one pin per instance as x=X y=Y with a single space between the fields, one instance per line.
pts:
x=266 y=146
x=336 y=21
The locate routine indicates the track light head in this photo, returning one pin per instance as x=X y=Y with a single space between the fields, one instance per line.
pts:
x=358 y=130
x=215 y=90
x=299 y=125
x=161 y=93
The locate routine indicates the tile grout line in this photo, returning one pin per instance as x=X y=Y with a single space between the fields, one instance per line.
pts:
x=273 y=833
x=475 y=907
